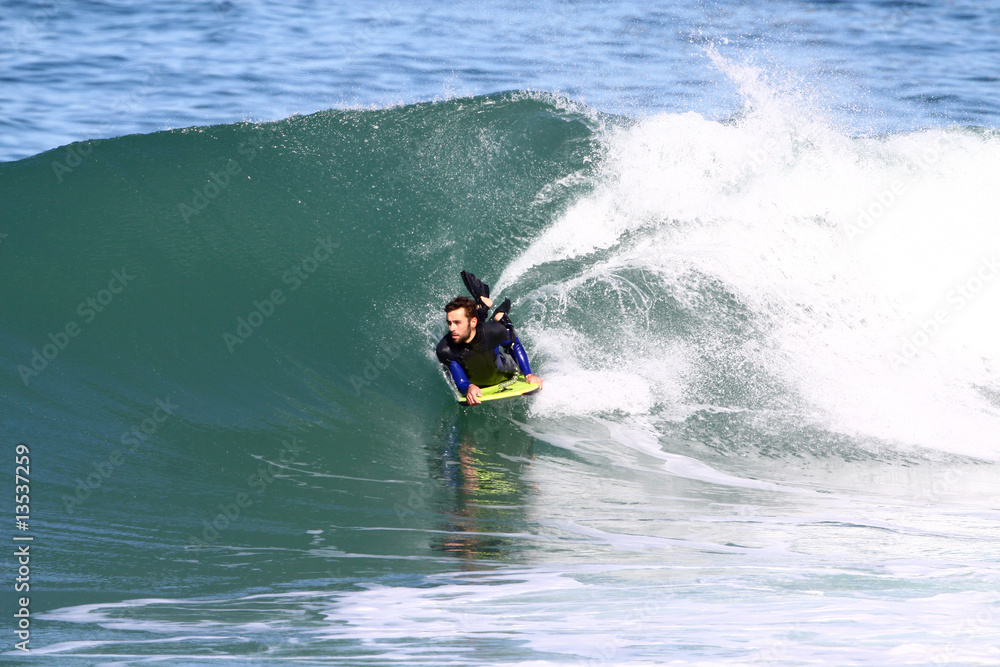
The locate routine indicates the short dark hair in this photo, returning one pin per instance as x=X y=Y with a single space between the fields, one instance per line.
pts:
x=463 y=302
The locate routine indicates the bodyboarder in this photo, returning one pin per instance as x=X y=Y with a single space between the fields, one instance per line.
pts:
x=480 y=351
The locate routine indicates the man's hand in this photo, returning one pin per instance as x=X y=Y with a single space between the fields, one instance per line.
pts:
x=531 y=377
x=472 y=395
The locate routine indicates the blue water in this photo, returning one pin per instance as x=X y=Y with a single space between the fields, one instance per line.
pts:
x=752 y=248
x=79 y=70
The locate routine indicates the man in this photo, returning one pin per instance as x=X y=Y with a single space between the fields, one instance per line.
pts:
x=472 y=350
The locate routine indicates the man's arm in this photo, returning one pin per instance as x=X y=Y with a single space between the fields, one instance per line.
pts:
x=522 y=362
x=471 y=391
x=457 y=372
x=521 y=357
x=459 y=376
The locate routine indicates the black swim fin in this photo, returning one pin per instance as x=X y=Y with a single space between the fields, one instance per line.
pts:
x=476 y=287
x=505 y=309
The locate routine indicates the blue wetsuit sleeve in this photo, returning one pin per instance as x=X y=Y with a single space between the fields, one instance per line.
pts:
x=521 y=357
x=458 y=375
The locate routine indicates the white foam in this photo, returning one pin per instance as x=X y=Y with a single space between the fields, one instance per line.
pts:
x=850 y=253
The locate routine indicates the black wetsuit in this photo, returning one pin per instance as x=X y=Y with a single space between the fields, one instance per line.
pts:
x=481 y=362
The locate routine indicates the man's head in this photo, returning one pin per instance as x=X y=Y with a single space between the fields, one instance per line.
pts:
x=462 y=320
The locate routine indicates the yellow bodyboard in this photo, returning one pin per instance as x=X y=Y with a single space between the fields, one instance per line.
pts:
x=516 y=386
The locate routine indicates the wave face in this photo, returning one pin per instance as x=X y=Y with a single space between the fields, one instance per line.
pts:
x=186 y=308
x=256 y=268
x=218 y=343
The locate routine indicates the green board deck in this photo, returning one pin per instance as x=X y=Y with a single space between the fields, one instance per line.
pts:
x=519 y=387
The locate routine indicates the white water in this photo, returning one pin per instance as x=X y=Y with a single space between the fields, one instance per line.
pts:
x=871 y=266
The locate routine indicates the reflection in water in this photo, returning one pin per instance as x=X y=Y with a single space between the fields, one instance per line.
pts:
x=482 y=459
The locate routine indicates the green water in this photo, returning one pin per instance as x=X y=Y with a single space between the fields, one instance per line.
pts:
x=274 y=286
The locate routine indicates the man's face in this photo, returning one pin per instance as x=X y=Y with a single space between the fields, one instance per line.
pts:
x=461 y=327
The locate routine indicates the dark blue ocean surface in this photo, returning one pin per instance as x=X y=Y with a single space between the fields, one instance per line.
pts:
x=75 y=70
